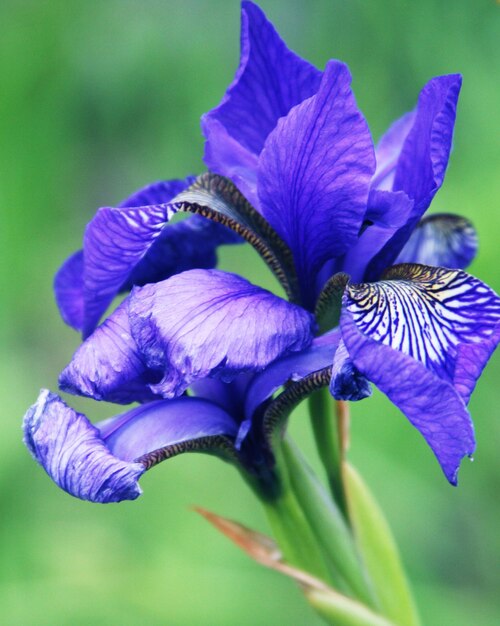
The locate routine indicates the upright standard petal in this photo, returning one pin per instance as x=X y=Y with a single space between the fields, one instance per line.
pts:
x=443 y=240
x=210 y=323
x=103 y=463
x=387 y=212
x=430 y=314
x=423 y=159
x=270 y=80
x=314 y=176
x=108 y=365
x=388 y=151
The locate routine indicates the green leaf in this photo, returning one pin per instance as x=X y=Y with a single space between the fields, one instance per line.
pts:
x=334 y=607
x=379 y=551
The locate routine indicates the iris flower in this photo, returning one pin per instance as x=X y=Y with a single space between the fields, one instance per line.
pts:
x=376 y=291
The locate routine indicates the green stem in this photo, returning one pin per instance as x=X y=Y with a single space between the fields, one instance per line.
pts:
x=288 y=523
x=328 y=526
x=293 y=535
x=329 y=443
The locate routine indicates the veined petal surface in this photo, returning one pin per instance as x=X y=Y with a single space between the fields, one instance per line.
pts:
x=314 y=175
x=108 y=365
x=73 y=454
x=270 y=80
x=430 y=403
x=128 y=245
x=434 y=315
x=185 y=245
x=117 y=239
x=210 y=323
x=103 y=463
x=443 y=240
x=388 y=151
x=423 y=158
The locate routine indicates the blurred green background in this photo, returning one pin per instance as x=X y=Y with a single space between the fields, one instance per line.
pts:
x=101 y=97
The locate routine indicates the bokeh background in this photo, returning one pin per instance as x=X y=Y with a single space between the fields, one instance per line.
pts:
x=101 y=97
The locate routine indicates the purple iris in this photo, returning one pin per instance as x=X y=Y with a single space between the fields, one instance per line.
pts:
x=376 y=292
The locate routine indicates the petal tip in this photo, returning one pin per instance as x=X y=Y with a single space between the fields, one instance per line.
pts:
x=73 y=454
x=349 y=384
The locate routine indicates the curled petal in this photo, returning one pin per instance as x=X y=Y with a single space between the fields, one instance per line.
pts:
x=108 y=365
x=443 y=240
x=216 y=198
x=162 y=427
x=103 y=463
x=347 y=381
x=73 y=283
x=302 y=373
x=210 y=323
x=270 y=80
x=314 y=175
x=180 y=247
x=73 y=454
x=117 y=240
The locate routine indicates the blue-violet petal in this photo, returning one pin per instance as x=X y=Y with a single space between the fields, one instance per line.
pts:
x=108 y=365
x=211 y=323
x=73 y=454
x=270 y=80
x=314 y=175
x=434 y=315
x=443 y=240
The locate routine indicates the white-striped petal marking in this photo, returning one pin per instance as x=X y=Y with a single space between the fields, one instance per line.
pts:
x=426 y=312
